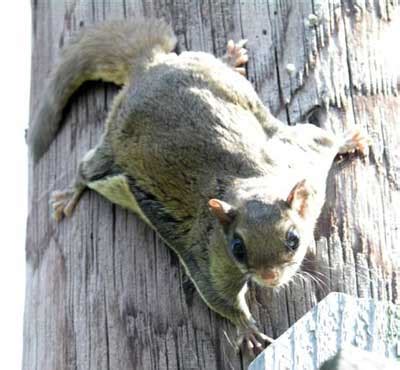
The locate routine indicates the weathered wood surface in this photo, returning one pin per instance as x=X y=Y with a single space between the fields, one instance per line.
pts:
x=335 y=323
x=351 y=357
x=104 y=293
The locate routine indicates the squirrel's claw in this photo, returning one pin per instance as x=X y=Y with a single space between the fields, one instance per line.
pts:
x=236 y=55
x=63 y=203
x=252 y=341
x=355 y=140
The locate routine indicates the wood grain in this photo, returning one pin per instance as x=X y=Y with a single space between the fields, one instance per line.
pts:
x=102 y=292
x=339 y=322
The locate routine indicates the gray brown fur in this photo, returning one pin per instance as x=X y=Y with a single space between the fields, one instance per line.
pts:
x=186 y=129
x=106 y=52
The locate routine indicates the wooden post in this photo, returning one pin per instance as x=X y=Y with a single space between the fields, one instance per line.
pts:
x=363 y=330
x=102 y=292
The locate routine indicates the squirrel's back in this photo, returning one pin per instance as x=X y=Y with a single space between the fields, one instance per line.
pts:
x=109 y=52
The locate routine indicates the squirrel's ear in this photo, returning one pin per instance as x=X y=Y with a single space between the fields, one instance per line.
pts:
x=223 y=211
x=298 y=198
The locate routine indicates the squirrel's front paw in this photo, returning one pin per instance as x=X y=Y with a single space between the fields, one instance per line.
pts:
x=252 y=341
x=63 y=203
x=236 y=56
x=355 y=140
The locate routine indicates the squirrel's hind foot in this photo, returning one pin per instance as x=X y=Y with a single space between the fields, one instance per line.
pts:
x=236 y=56
x=355 y=140
x=64 y=202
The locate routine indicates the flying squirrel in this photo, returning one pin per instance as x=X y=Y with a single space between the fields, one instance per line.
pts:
x=191 y=149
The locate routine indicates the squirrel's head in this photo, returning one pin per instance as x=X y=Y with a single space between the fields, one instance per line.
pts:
x=267 y=238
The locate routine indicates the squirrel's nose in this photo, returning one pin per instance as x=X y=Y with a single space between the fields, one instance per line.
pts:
x=270 y=276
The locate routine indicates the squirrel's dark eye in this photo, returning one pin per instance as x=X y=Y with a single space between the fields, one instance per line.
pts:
x=292 y=239
x=238 y=248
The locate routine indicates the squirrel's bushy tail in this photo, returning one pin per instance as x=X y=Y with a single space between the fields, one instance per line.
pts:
x=107 y=52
